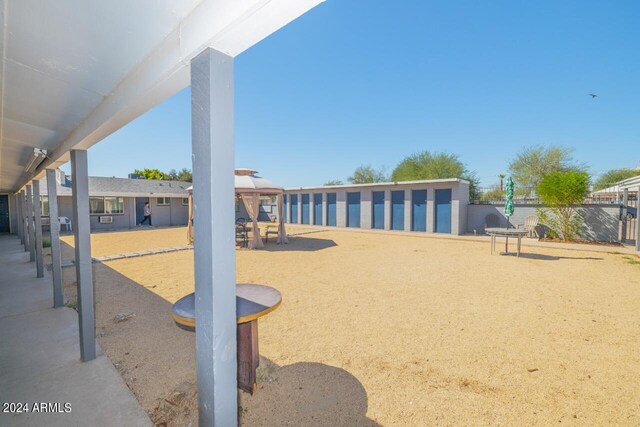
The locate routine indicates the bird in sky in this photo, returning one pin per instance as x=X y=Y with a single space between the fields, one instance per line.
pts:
x=593 y=95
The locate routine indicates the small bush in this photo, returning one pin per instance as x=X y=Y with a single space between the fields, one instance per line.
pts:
x=46 y=243
x=562 y=192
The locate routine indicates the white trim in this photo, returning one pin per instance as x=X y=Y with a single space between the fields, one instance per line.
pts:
x=379 y=184
x=166 y=201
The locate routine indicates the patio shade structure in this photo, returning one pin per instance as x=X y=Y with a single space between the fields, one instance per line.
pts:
x=76 y=71
x=249 y=187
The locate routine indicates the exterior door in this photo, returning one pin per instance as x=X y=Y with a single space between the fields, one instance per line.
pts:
x=317 y=209
x=353 y=210
x=378 y=210
x=397 y=210
x=419 y=210
x=4 y=214
x=443 y=211
x=140 y=201
x=306 y=207
x=293 y=218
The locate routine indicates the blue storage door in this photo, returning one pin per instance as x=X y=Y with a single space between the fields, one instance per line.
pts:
x=397 y=210
x=331 y=209
x=443 y=211
x=378 y=210
x=353 y=210
x=293 y=219
x=306 y=208
x=419 y=210
x=317 y=209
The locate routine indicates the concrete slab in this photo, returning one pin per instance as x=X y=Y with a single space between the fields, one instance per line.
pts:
x=40 y=356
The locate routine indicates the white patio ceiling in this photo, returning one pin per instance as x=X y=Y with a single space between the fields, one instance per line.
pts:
x=75 y=71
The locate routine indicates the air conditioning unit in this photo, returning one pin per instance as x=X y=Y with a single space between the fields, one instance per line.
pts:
x=106 y=220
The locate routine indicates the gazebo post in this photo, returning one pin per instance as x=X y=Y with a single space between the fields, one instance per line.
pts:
x=282 y=234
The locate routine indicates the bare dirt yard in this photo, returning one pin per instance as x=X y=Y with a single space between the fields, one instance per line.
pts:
x=391 y=330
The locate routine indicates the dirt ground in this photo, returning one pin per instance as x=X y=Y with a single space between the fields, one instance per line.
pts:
x=392 y=330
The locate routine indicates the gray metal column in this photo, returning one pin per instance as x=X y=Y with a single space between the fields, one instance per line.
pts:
x=19 y=218
x=25 y=230
x=637 y=220
x=625 y=203
x=299 y=208
x=212 y=97
x=30 y=226
x=56 y=256
x=37 y=221
x=84 y=273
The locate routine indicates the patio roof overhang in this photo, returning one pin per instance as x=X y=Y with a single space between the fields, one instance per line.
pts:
x=74 y=72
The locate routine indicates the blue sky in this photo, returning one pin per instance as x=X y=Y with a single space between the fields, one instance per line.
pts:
x=353 y=83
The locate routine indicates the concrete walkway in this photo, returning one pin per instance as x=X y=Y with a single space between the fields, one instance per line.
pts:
x=40 y=356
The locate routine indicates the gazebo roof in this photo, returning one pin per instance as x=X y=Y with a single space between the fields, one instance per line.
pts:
x=248 y=182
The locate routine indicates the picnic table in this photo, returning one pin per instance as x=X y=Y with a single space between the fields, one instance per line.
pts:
x=506 y=233
x=252 y=302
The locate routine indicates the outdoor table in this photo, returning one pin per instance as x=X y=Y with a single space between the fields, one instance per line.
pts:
x=252 y=302
x=506 y=232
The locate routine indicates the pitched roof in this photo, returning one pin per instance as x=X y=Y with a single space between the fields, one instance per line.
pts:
x=125 y=187
x=631 y=184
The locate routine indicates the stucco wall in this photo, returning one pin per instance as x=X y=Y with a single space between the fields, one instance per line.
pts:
x=174 y=214
x=601 y=221
x=459 y=195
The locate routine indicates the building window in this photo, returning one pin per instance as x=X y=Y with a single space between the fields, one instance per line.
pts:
x=185 y=201
x=106 y=205
x=44 y=205
x=163 y=201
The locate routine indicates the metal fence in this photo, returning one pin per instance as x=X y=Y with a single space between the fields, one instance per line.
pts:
x=496 y=195
x=628 y=229
x=527 y=196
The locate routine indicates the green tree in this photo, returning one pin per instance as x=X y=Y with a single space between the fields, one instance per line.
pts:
x=185 y=175
x=611 y=177
x=334 y=182
x=150 y=173
x=439 y=165
x=366 y=175
x=532 y=163
x=172 y=175
x=562 y=192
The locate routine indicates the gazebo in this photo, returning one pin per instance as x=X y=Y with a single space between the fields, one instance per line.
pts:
x=249 y=187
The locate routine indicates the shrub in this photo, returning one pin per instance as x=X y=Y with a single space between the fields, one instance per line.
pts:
x=561 y=192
